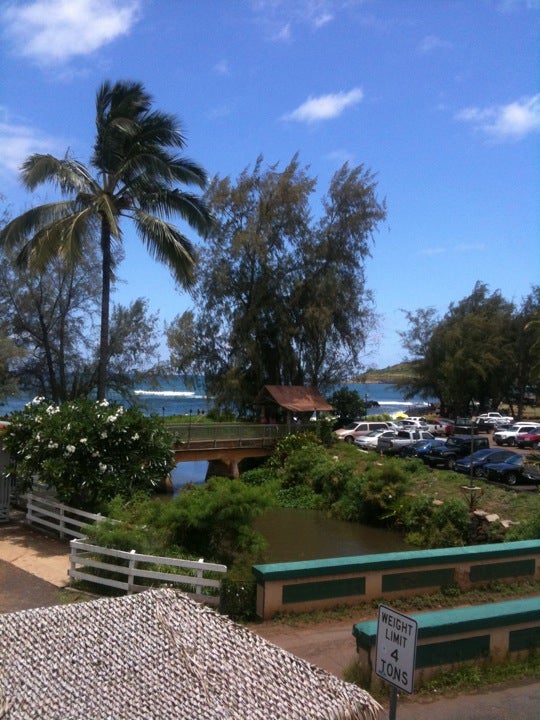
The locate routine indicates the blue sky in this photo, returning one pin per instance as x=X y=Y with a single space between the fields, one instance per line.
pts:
x=440 y=98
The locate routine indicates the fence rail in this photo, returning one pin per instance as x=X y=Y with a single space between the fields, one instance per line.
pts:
x=63 y=519
x=124 y=570
x=226 y=435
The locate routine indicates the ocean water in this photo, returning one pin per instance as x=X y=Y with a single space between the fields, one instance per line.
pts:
x=186 y=396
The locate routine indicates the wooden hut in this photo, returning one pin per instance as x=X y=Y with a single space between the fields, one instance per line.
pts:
x=155 y=655
x=291 y=401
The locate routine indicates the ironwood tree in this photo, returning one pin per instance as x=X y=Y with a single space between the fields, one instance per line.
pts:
x=477 y=355
x=50 y=324
x=281 y=295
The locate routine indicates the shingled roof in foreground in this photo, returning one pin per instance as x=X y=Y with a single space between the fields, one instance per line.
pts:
x=161 y=655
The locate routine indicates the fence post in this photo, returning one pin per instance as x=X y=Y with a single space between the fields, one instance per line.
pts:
x=200 y=571
x=72 y=561
x=62 y=524
x=131 y=574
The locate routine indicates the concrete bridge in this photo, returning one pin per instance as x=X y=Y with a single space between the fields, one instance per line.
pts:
x=228 y=443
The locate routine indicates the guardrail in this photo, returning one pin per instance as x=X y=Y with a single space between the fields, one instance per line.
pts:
x=225 y=435
x=124 y=570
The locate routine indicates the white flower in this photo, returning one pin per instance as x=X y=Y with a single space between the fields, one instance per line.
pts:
x=135 y=436
x=83 y=441
x=53 y=445
x=36 y=401
x=52 y=410
x=70 y=449
x=104 y=403
x=102 y=467
x=112 y=418
x=103 y=435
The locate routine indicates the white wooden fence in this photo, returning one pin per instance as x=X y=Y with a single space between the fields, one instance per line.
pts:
x=124 y=570
x=118 y=568
x=66 y=521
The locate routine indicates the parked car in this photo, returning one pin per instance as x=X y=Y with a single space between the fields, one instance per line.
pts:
x=524 y=469
x=390 y=446
x=530 y=439
x=456 y=447
x=463 y=426
x=480 y=458
x=495 y=417
x=358 y=428
x=510 y=436
x=369 y=441
x=420 y=448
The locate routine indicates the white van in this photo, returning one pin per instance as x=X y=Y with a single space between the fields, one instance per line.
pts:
x=361 y=427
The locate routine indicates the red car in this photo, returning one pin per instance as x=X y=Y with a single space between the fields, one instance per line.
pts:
x=529 y=439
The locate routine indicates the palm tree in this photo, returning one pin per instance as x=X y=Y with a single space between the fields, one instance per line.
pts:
x=137 y=171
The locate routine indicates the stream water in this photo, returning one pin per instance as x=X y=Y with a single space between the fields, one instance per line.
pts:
x=311 y=535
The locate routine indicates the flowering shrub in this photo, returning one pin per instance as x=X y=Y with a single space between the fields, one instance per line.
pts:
x=88 y=451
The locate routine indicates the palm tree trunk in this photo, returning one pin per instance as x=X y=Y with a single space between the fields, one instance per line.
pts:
x=103 y=360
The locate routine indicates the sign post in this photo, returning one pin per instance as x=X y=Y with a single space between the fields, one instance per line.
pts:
x=396 y=652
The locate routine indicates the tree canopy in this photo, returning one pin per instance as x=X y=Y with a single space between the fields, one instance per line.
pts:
x=478 y=354
x=281 y=296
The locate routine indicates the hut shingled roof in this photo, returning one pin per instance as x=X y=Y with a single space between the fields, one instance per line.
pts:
x=296 y=398
x=158 y=654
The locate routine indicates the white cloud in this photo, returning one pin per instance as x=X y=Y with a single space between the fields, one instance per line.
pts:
x=283 y=34
x=281 y=17
x=512 y=121
x=222 y=68
x=431 y=43
x=322 y=19
x=53 y=31
x=325 y=107
x=17 y=142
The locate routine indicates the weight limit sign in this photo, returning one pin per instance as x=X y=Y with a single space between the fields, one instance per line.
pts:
x=396 y=648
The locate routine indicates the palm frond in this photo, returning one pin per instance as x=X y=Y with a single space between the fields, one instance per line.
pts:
x=168 y=245
x=65 y=238
x=68 y=175
x=24 y=226
x=175 y=203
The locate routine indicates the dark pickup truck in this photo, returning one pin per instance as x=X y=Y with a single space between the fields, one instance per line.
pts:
x=457 y=446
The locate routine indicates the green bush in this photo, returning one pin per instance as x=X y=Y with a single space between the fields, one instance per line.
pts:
x=89 y=452
x=215 y=520
x=430 y=525
x=289 y=445
x=374 y=497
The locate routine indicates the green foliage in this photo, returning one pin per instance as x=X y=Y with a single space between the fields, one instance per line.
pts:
x=288 y=445
x=264 y=475
x=305 y=466
x=267 y=243
x=348 y=405
x=216 y=519
x=525 y=531
x=89 y=452
x=238 y=594
x=479 y=351
x=430 y=524
x=300 y=497
x=374 y=497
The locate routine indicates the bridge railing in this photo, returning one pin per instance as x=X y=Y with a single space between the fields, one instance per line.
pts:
x=219 y=435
